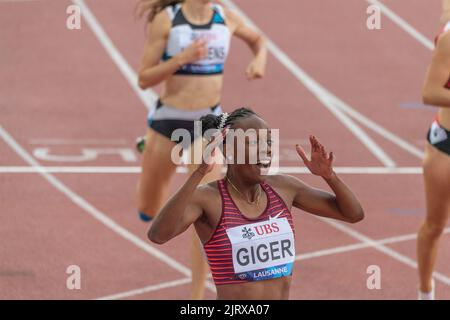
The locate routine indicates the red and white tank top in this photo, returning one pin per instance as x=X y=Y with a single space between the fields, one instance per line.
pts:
x=243 y=250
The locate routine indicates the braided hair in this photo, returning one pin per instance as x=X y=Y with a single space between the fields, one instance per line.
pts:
x=212 y=121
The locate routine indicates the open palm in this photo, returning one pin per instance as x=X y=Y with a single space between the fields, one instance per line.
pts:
x=320 y=164
x=208 y=162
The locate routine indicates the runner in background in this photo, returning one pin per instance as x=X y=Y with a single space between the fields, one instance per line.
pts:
x=187 y=46
x=436 y=165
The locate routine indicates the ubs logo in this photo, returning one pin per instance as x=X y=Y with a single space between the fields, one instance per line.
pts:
x=247 y=233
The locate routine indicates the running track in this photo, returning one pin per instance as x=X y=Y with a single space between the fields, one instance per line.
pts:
x=64 y=92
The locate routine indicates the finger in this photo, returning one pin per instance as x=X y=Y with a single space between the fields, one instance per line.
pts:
x=225 y=131
x=316 y=141
x=200 y=41
x=219 y=137
x=205 y=47
x=320 y=147
x=216 y=139
x=301 y=153
x=256 y=75
x=213 y=142
x=203 y=51
x=322 y=151
x=311 y=141
x=331 y=157
x=210 y=155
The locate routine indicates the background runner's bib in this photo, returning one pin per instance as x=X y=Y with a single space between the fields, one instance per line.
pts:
x=183 y=33
x=263 y=250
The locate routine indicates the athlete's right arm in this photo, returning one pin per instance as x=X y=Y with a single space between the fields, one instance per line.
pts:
x=182 y=210
x=434 y=91
x=152 y=72
x=186 y=206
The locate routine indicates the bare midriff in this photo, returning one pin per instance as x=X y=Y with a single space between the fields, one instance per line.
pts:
x=444 y=117
x=192 y=92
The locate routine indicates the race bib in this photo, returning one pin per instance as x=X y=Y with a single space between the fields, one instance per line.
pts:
x=262 y=250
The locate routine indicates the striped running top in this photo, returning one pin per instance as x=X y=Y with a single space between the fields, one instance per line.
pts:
x=238 y=240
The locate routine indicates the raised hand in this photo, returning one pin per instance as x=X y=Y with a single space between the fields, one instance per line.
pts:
x=320 y=164
x=209 y=152
x=196 y=51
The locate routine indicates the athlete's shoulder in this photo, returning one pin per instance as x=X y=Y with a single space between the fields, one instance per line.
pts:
x=207 y=196
x=160 y=25
x=283 y=181
x=232 y=16
x=163 y=17
x=443 y=42
x=287 y=182
x=208 y=189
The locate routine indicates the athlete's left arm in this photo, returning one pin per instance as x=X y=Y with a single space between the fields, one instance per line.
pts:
x=343 y=205
x=434 y=91
x=255 y=40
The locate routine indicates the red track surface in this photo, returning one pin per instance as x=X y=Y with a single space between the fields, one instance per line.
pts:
x=62 y=84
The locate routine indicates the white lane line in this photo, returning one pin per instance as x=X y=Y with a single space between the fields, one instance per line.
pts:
x=381 y=247
x=300 y=257
x=322 y=94
x=94 y=212
x=403 y=24
x=12 y=1
x=125 y=170
x=151 y=288
x=66 y=142
x=148 y=97
x=358 y=246
x=330 y=100
x=383 y=132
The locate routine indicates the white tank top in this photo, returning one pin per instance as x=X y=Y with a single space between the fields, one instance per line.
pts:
x=183 y=33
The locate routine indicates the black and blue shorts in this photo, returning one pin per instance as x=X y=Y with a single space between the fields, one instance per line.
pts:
x=166 y=120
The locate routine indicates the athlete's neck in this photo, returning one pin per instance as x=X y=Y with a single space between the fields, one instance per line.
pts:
x=249 y=189
x=197 y=11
